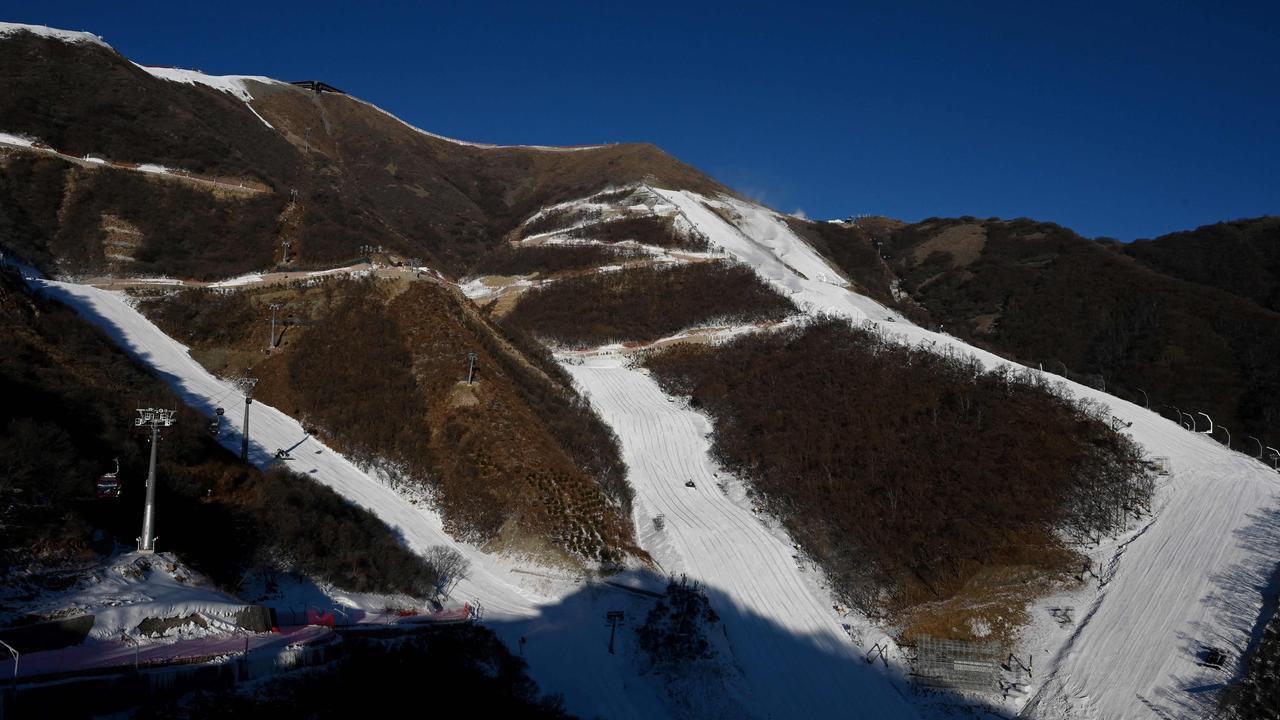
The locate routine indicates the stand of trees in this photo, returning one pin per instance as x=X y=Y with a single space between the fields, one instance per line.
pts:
x=70 y=396
x=379 y=370
x=508 y=259
x=902 y=471
x=1257 y=695
x=645 y=303
x=675 y=630
x=644 y=229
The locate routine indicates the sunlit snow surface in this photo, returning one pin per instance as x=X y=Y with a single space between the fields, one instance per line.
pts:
x=71 y=36
x=1193 y=577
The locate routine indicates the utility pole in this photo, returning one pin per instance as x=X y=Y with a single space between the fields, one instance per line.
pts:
x=155 y=418
x=614 y=618
x=471 y=372
x=271 y=341
x=248 y=384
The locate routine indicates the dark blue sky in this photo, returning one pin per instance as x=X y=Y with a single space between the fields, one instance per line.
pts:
x=1122 y=122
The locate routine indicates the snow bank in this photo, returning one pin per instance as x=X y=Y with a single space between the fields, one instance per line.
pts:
x=71 y=36
x=129 y=588
x=18 y=140
x=234 y=84
x=553 y=614
x=246 y=279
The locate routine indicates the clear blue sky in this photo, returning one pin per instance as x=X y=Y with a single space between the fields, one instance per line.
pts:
x=1122 y=122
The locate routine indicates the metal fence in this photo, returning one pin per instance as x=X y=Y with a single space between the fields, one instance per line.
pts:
x=958 y=665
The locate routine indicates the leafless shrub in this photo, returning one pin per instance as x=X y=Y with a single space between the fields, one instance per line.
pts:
x=904 y=470
x=449 y=566
x=646 y=303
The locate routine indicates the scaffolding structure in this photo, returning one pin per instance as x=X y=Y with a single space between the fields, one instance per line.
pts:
x=958 y=665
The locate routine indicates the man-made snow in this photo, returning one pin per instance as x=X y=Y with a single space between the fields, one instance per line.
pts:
x=805 y=665
x=71 y=36
x=234 y=84
x=18 y=140
x=561 y=618
x=1193 y=578
x=119 y=653
x=246 y=279
x=128 y=589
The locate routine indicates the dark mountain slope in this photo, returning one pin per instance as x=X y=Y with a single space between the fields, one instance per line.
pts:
x=1241 y=257
x=362 y=177
x=70 y=396
x=1041 y=294
x=379 y=368
x=84 y=98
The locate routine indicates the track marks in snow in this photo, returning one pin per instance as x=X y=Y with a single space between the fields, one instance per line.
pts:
x=792 y=653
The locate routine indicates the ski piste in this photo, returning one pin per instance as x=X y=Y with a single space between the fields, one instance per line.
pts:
x=1192 y=575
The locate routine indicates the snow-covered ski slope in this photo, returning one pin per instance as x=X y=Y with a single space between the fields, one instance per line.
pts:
x=566 y=650
x=270 y=429
x=1194 y=577
x=721 y=543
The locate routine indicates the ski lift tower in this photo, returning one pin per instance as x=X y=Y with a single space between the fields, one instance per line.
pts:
x=155 y=418
x=246 y=385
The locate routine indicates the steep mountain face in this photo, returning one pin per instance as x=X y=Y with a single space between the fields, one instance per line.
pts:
x=515 y=460
x=361 y=176
x=1155 y=317
x=70 y=400
x=887 y=450
x=1241 y=257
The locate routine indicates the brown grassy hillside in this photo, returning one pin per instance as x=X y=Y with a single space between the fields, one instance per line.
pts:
x=1241 y=257
x=645 y=303
x=1041 y=294
x=906 y=474
x=361 y=176
x=517 y=459
x=77 y=219
x=70 y=396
